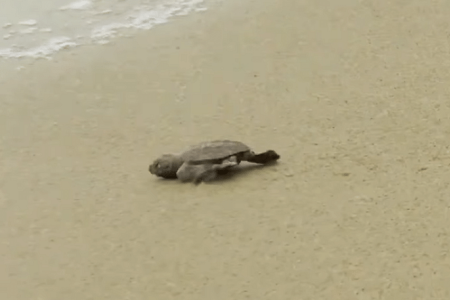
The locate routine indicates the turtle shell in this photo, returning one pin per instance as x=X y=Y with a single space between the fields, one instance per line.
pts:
x=214 y=150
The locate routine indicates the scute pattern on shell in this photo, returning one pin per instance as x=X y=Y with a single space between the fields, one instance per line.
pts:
x=214 y=150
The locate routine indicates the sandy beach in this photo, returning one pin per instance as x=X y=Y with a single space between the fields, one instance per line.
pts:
x=354 y=95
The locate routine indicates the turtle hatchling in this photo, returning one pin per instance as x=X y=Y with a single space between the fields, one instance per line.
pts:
x=203 y=162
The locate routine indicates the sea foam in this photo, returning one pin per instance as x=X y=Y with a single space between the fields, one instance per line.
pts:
x=86 y=22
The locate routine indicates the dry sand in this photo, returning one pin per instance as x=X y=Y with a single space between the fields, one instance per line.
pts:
x=353 y=94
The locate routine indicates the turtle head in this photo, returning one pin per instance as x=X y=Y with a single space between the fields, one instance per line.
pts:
x=166 y=166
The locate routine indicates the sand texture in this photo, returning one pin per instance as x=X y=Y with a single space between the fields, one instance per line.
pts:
x=355 y=97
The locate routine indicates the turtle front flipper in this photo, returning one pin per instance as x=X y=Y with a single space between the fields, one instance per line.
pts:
x=203 y=172
x=189 y=172
x=263 y=158
x=212 y=171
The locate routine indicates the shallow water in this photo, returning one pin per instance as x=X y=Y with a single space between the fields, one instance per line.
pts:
x=38 y=29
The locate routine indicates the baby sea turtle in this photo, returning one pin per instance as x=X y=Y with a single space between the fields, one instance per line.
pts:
x=204 y=161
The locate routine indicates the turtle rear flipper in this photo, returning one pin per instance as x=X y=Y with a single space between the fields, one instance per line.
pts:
x=264 y=158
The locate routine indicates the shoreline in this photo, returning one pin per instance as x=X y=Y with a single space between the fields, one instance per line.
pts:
x=93 y=25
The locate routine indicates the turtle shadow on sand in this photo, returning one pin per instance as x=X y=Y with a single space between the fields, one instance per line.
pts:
x=238 y=171
x=228 y=174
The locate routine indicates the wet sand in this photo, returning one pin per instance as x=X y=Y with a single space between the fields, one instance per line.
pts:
x=353 y=95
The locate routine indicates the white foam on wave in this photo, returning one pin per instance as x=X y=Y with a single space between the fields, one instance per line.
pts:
x=44 y=51
x=28 y=30
x=145 y=19
x=77 y=5
x=105 y=24
x=103 y=12
x=28 y=22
